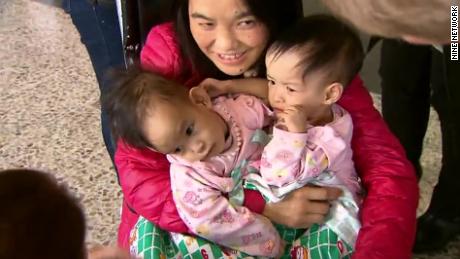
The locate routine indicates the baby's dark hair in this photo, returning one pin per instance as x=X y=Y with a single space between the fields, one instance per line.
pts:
x=131 y=96
x=39 y=218
x=325 y=43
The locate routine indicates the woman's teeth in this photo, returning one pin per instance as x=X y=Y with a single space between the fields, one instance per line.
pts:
x=230 y=56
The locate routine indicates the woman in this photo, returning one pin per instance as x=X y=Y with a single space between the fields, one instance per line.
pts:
x=226 y=39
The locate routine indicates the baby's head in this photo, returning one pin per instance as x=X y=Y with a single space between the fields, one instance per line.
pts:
x=149 y=111
x=312 y=62
x=39 y=218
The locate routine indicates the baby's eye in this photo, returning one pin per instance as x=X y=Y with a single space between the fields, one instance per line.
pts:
x=271 y=82
x=189 y=130
x=177 y=150
x=290 y=89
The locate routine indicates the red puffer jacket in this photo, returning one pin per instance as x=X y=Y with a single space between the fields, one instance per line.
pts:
x=388 y=213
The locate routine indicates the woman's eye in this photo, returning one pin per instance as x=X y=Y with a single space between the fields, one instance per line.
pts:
x=177 y=150
x=247 y=23
x=189 y=130
x=206 y=25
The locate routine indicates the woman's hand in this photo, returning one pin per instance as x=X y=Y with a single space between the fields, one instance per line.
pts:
x=215 y=87
x=251 y=86
x=302 y=207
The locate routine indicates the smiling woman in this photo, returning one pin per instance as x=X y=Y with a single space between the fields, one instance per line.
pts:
x=228 y=38
x=230 y=35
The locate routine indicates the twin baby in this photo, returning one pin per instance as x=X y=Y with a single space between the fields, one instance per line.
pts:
x=217 y=145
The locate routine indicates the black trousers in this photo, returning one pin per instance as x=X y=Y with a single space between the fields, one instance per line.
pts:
x=413 y=77
x=97 y=23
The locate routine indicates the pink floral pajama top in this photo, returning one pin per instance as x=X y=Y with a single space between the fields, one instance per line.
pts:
x=203 y=190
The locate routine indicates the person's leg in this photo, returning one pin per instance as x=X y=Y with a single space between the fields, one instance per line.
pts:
x=97 y=23
x=405 y=73
x=442 y=220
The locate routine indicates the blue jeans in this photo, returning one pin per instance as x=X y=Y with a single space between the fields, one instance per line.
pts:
x=99 y=29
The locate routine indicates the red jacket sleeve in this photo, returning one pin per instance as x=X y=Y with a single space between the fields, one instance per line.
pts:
x=388 y=214
x=145 y=182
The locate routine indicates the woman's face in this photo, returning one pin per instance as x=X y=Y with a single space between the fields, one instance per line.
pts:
x=228 y=33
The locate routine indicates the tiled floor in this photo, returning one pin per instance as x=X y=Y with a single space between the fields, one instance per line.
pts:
x=49 y=115
x=49 y=109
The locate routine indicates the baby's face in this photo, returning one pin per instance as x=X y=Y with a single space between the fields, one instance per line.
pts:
x=184 y=129
x=288 y=87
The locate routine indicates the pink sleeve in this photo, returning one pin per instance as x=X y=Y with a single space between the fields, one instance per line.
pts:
x=388 y=214
x=209 y=214
x=253 y=111
x=298 y=157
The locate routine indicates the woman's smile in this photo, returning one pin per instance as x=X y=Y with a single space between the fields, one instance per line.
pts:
x=234 y=58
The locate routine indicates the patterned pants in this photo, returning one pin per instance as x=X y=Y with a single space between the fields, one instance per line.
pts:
x=149 y=241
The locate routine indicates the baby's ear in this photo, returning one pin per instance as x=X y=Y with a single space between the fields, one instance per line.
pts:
x=333 y=93
x=199 y=96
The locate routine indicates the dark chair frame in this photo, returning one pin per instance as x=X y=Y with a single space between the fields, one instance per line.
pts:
x=138 y=17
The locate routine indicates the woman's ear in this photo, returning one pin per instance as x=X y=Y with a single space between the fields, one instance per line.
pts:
x=199 y=96
x=333 y=93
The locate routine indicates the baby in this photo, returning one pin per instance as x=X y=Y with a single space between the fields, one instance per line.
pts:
x=212 y=146
x=308 y=68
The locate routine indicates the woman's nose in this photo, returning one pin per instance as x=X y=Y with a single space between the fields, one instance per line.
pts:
x=225 y=39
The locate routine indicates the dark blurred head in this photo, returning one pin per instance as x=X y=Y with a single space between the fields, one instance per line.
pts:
x=39 y=218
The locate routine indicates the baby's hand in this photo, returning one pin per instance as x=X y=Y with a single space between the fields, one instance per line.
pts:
x=215 y=87
x=292 y=119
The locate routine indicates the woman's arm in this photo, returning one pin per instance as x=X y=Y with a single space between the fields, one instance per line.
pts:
x=388 y=213
x=145 y=182
x=251 y=86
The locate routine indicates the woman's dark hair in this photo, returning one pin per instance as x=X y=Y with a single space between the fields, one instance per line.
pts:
x=39 y=218
x=275 y=14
